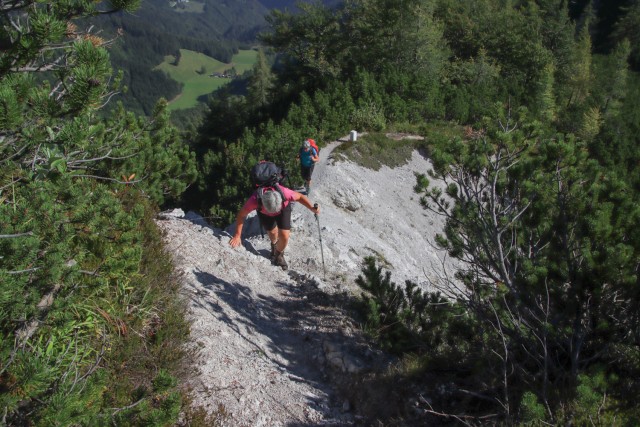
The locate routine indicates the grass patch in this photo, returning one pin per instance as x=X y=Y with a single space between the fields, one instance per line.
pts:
x=244 y=60
x=195 y=70
x=394 y=147
x=441 y=130
x=374 y=150
x=197 y=416
x=144 y=359
x=405 y=127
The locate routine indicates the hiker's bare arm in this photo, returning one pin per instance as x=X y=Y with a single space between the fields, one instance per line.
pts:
x=304 y=200
x=235 y=240
x=315 y=158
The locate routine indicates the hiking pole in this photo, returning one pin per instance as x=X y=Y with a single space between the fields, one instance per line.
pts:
x=320 y=237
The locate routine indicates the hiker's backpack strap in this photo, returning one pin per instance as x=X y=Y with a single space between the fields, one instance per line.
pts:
x=259 y=192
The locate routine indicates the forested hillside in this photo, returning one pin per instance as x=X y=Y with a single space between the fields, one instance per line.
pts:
x=530 y=111
x=161 y=28
x=158 y=28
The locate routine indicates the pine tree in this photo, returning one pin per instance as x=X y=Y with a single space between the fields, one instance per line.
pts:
x=396 y=34
x=591 y=124
x=260 y=82
x=627 y=28
x=545 y=237
x=75 y=192
x=312 y=39
x=614 y=85
x=581 y=76
x=545 y=100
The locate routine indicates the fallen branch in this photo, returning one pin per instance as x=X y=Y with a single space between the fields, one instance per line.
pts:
x=23 y=334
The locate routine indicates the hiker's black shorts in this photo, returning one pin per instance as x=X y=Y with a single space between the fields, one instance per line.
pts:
x=282 y=220
x=306 y=172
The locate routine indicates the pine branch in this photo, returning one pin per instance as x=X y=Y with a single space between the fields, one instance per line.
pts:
x=109 y=179
x=124 y=408
x=11 y=236
x=16 y=5
x=28 y=270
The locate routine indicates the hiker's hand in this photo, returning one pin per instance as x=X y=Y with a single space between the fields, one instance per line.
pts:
x=235 y=241
x=316 y=209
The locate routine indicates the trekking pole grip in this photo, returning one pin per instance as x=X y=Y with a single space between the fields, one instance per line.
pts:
x=315 y=206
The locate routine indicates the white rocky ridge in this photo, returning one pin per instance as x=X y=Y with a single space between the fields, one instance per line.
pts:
x=273 y=347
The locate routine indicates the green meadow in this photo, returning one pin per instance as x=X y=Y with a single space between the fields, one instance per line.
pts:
x=194 y=71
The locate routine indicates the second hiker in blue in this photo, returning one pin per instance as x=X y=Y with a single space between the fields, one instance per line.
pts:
x=308 y=158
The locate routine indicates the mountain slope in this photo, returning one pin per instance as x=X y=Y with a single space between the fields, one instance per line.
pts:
x=277 y=348
x=214 y=28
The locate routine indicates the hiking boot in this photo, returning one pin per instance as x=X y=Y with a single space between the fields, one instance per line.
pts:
x=272 y=255
x=279 y=260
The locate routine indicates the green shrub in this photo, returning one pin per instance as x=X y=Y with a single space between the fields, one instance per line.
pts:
x=374 y=150
x=368 y=117
x=532 y=411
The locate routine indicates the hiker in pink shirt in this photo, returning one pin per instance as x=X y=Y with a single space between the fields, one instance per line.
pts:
x=274 y=211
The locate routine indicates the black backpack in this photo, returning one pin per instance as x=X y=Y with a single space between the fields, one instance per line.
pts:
x=265 y=176
x=266 y=173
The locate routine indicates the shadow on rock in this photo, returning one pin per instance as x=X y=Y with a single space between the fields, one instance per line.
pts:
x=309 y=336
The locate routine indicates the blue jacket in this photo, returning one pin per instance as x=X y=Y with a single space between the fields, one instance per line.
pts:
x=305 y=156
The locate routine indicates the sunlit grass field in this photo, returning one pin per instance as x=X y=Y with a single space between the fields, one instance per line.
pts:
x=194 y=71
x=244 y=60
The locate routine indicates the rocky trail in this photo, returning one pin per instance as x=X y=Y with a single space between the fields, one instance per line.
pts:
x=278 y=348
